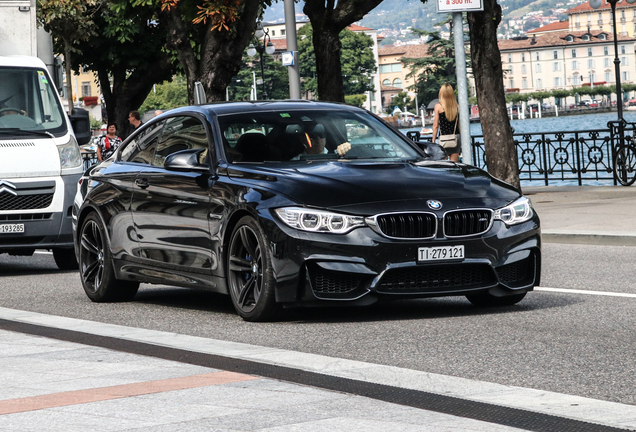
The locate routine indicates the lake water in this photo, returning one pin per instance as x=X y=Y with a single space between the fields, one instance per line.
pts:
x=569 y=123
x=556 y=124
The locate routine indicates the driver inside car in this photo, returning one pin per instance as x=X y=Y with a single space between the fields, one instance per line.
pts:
x=317 y=140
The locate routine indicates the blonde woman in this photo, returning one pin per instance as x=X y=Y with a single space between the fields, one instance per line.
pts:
x=447 y=119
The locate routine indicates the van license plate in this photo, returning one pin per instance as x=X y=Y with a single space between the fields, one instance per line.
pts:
x=440 y=253
x=11 y=228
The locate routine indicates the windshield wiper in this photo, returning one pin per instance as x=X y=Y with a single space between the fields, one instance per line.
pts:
x=12 y=131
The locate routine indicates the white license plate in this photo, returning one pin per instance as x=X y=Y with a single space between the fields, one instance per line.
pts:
x=440 y=253
x=11 y=228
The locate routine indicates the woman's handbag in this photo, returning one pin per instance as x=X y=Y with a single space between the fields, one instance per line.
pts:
x=449 y=141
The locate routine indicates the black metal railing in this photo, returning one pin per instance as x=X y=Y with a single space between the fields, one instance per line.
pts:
x=576 y=157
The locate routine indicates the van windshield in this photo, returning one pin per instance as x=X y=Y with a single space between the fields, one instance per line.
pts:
x=29 y=103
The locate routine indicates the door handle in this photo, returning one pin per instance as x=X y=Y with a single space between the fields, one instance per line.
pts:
x=142 y=183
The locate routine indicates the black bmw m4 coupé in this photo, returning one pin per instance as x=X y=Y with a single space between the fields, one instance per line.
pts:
x=287 y=204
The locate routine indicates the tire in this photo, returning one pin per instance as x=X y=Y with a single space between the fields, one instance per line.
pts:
x=625 y=165
x=65 y=259
x=488 y=300
x=96 y=265
x=250 y=276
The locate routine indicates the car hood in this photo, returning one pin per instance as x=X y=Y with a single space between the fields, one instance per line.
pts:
x=358 y=186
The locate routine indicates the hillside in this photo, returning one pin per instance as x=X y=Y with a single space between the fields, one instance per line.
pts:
x=393 y=18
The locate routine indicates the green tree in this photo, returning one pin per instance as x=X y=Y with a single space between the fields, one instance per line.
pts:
x=167 y=95
x=559 y=94
x=434 y=70
x=129 y=56
x=356 y=100
x=357 y=58
x=516 y=98
x=328 y=19
x=402 y=101
x=276 y=79
x=209 y=37
x=68 y=21
x=358 y=62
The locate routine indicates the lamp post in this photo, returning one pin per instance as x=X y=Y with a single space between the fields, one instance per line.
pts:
x=595 y=4
x=266 y=47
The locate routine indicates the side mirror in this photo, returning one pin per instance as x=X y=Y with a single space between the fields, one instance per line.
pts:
x=58 y=74
x=81 y=125
x=432 y=150
x=187 y=161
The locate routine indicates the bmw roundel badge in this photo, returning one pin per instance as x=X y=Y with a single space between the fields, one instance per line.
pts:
x=434 y=204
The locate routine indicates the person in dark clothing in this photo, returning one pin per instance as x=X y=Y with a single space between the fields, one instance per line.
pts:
x=447 y=119
x=135 y=121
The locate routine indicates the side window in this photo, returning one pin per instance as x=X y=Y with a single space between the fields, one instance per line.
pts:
x=142 y=148
x=180 y=133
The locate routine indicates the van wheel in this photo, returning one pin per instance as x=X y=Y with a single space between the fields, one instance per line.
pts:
x=96 y=265
x=65 y=259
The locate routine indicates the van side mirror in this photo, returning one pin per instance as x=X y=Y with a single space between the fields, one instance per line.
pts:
x=58 y=74
x=81 y=125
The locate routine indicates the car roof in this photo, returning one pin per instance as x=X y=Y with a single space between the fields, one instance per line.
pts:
x=221 y=108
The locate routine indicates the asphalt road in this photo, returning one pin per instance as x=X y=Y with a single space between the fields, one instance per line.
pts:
x=572 y=343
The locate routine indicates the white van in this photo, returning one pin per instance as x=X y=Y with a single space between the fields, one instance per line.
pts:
x=40 y=163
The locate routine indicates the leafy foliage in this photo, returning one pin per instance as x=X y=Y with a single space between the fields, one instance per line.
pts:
x=438 y=67
x=168 y=95
x=356 y=100
x=276 y=79
x=356 y=56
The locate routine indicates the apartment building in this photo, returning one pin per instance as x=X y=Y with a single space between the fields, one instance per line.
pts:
x=393 y=73
x=583 y=17
x=565 y=59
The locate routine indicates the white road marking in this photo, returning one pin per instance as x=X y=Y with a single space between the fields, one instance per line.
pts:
x=575 y=291
x=557 y=404
x=43 y=252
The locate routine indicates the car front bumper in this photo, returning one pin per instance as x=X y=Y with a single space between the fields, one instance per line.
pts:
x=363 y=267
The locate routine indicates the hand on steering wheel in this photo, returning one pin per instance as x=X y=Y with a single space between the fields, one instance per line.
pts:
x=11 y=111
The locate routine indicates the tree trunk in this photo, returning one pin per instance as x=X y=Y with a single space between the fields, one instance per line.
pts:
x=221 y=50
x=328 y=18
x=327 y=48
x=501 y=154
x=69 y=76
x=129 y=91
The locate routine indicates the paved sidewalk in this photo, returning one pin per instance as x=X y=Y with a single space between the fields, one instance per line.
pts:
x=91 y=376
x=604 y=215
x=51 y=385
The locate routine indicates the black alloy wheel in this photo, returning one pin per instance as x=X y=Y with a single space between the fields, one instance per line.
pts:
x=96 y=267
x=250 y=278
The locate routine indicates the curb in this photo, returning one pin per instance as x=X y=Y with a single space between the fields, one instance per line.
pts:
x=596 y=239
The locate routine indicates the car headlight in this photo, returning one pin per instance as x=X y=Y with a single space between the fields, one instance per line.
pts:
x=519 y=211
x=70 y=156
x=318 y=221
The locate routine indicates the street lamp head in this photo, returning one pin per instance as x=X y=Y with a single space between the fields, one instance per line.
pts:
x=251 y=50
x=259 y=30
x=595 y=4
x=631 y=1
x=269 y=49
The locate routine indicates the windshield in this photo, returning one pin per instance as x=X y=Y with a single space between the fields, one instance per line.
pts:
x=301 y=135
x=28 y=103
